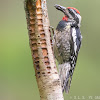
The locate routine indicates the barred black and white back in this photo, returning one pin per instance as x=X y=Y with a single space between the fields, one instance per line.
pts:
x=76 y=38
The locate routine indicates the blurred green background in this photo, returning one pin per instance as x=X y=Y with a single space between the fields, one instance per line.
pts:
x=17 y=77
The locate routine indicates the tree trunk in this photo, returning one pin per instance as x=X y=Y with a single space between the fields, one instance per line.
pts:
x=40 y=43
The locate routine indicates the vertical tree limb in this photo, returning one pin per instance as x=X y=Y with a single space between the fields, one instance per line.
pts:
x=39 y=35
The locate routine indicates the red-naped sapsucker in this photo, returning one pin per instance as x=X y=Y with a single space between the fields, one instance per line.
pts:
x=66 y=44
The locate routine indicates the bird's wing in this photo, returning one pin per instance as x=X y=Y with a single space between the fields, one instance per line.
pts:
x=62 y=44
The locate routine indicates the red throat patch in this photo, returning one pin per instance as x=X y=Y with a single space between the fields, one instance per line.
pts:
x=65 y=18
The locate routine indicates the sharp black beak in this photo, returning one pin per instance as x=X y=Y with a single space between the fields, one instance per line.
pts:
x=61 y=8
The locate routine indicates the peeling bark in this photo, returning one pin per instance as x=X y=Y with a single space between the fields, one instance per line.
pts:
x=40 y=43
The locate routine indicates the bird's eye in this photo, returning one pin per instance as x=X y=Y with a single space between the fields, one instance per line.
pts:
x=71 y=11
x=75 y=11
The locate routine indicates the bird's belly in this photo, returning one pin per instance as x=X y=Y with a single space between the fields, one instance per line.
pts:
x=62 y=48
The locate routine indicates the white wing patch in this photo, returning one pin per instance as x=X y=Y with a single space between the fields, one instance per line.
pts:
x=74 y=39
x=79 y=17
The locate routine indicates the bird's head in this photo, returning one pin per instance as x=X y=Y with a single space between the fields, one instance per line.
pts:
x=71 y=14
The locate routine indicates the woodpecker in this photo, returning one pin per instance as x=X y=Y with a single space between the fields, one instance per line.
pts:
x=67 y=43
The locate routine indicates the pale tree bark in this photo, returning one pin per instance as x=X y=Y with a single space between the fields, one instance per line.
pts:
x=40 y=43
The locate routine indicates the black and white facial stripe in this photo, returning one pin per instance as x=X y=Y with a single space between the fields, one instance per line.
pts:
x=74 y=16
